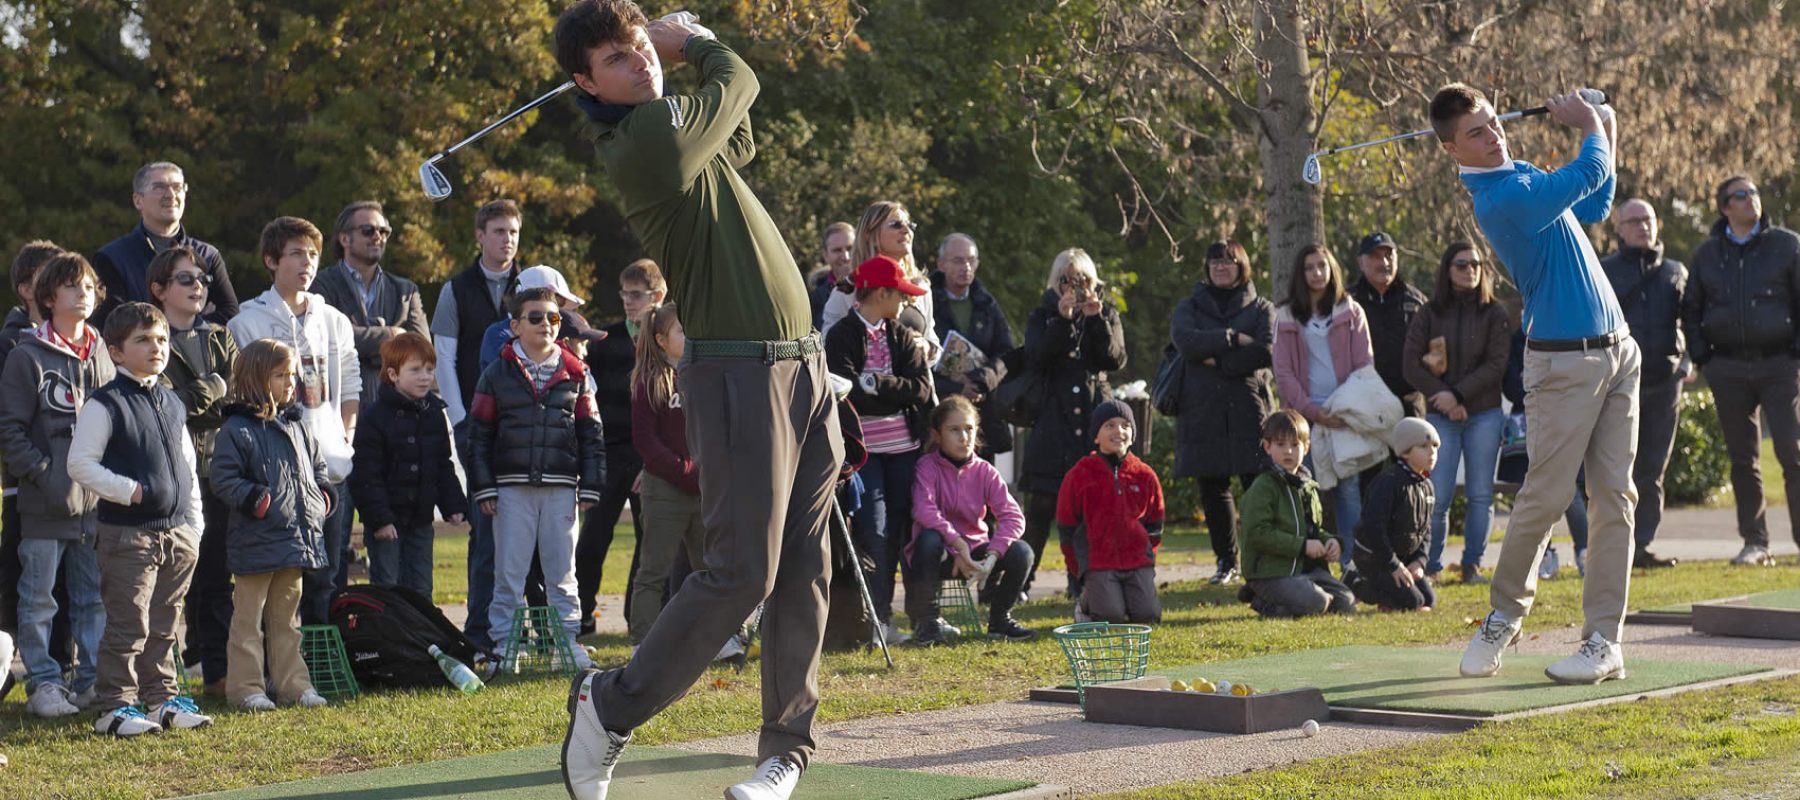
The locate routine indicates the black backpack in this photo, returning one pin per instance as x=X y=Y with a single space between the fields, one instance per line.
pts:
x=387 y=630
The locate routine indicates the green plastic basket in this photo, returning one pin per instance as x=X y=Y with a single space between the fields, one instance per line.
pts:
x=322 y=647
x=537 y=645
x=956 y=604
x=1102 y=652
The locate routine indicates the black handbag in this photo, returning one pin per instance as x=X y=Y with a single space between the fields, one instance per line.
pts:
x=1019 y=398
x=1165 y=392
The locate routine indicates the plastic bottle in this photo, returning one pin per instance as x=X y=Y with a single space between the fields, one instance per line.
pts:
x=459 y=674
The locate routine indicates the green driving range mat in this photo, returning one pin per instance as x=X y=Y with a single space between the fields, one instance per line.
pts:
x=1412 y=679
x=649 y=773
x=1678 y=608
x=1786 y=599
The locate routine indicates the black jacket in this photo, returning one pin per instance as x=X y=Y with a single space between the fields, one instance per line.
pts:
x=202 y=386
x=522 y=437
x=17 y=323
x=402 y=465
x=907 y=391
x=1396 y=520
x=278 y=459
x=397 y=305
x=1219 y=430
x=123 y=262
x=1390 y=315
x=989 y=332
x=1743 y=300
x=1649 y=288
x=1075 y=355
x=612 y=360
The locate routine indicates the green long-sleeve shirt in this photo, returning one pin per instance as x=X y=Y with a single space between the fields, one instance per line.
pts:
x=675 y=162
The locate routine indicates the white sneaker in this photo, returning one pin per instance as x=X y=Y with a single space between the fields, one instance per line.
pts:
x=732 y=649
x=583 y=661
x=85 y=700
x=125 y=721
x=179 y=713
x=775 y=780
x=51 y=700
x=1596 y=661
x=894 y=635
x=589 y=750
x=257 y=702
x=947 y=630
x=1754 y=555
x=1482 y=658
x=1548 y=567
x=311 y=699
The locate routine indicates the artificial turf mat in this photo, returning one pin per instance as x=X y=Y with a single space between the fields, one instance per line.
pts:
x=1412 y=679
x=1788 y=599
x=644 y=772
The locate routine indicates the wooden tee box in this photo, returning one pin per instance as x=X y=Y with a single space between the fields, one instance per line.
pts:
x=1149 y=702
x=1770 y=615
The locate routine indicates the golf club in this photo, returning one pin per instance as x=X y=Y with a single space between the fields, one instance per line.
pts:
x=437 y=187
x=1311 y=173
x=841 y=526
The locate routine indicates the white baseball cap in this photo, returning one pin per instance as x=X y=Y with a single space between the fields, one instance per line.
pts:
x=543 y=277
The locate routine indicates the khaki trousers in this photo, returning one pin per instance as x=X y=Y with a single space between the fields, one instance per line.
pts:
x=1581 y=408
x=144 y=577
x=267 y=602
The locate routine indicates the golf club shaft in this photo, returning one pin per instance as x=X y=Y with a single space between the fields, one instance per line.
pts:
x=548 y=96
x=841 y=525
x=1511 y=115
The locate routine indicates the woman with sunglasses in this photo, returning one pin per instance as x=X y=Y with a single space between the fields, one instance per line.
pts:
x=1456 y=354
x=199 y=370
x=887 y=229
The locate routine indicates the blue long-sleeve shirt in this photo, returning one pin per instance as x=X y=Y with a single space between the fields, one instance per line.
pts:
x=1533 y=220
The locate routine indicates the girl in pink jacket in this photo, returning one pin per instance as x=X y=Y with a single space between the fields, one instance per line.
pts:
x=953 y=493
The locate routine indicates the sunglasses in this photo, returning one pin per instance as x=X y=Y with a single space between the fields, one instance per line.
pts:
x=1741 y=194
x=190 y=278
x=1466 y=263
x=538 y=317
x=370 y=231
x=902 y=225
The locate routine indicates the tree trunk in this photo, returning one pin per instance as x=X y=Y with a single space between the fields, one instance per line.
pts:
x=1285 y=138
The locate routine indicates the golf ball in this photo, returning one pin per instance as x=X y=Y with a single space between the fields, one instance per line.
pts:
x=1310 y=727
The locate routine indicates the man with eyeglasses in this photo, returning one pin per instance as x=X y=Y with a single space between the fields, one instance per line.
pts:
x=961 y=304
x=1650 y=287
x=1389 y=303
x=834 y=253
x=159 y=192
x=1742 y=319
x=380 y=304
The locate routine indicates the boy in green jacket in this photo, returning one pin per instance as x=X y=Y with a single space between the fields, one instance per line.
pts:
x=1287 y=552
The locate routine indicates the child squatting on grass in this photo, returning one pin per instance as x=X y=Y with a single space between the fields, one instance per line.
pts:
x=1395 y=529
x=1287 y=552
x=1109 y=514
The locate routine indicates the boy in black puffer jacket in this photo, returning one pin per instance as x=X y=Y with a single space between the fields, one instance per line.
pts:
x=535 y=452
x=402 y=467
x=1396 y=525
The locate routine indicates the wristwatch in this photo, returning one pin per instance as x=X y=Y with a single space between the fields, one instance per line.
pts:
x=867 y=380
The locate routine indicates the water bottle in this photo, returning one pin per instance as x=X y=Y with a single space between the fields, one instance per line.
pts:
x=458 y=673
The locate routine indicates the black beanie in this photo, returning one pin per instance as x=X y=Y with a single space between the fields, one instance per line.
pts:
x=1107 y=411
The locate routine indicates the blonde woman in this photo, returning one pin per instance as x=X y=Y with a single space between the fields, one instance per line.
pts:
x=887 y=229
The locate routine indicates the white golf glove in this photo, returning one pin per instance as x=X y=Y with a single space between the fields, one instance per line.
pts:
x=691 y=20
x=1597 y=99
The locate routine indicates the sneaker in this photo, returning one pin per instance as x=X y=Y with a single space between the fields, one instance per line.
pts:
x=51 y=700
x=1754 y=555
x=1596 y=661
x=311 y=699
x=1081 y=614
x=928 y=633
x=1010 y=630
x=1644 y=559
x=85 y=700
x=775 y=780
x=949 y=631
x=125 y=721
x=1482 y=658
x=589 y=751
x=734 y=648
x=257 y=702
x=583 y=661
x=894 y=635
x=1223 y=576
x=1581 y=562
x=179 y=713
x=1548 y=567
x=1472 y=575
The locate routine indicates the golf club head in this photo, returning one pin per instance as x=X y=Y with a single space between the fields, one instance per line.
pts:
x=432 y=180
x=1310 y=171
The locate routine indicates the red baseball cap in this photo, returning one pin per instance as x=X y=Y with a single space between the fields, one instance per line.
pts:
x=882 y=272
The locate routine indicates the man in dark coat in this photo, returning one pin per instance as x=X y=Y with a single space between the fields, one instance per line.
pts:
x=961 y=304
x=1389 y=303
x=380 y=304
x=159 y=192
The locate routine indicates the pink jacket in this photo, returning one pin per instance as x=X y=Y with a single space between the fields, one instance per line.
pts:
x=955 y=502
x=1350 y=351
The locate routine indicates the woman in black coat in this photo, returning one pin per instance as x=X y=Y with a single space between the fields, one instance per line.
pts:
x=1227 y=336
x=1074 y=338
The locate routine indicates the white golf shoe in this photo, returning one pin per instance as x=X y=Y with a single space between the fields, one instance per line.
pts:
x=125 y=721
x=1596 y=661
x=775 y=780
x=589 y=750
x=1482 y=658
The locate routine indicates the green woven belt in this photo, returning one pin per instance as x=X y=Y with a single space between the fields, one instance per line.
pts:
x=769 y=352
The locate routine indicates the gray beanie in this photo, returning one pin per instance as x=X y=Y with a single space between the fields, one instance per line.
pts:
x=1412 y=432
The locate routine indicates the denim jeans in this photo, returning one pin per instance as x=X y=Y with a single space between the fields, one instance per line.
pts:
x=39 y=560
x=1346 y=507
x=884 y=523
x=1475 y=443
x=404 y=560
x=318 y=585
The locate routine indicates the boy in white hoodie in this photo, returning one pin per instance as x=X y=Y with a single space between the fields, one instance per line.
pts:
x=330 y=378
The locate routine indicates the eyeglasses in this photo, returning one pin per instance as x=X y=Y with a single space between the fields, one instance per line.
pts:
x=633 y=295
x=902 y=225
x=1741 y=194
x=370 y=231
x=538 y=317
x=1637 y=221
x=174 y=187
x=963 y=262
x=191 y=278
x=1466 y=263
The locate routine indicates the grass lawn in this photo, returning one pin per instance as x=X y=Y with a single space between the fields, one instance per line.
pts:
x=62 y=758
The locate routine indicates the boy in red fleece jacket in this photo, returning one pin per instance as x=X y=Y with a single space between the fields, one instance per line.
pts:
x=1110 y=515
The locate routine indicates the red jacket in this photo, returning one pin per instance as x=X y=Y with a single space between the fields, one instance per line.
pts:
x=1110 y=520
x=660 y=435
